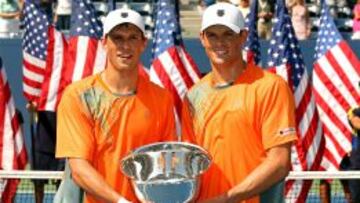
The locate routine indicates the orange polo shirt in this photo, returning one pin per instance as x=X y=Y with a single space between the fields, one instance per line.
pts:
x=96 y=125
x=237 y=124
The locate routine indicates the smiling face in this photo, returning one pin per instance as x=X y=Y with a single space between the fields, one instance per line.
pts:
x=124 y=45
x=222 y=45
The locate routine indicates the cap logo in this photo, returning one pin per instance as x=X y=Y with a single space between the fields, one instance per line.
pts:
x=124 y=14
x=220 y=12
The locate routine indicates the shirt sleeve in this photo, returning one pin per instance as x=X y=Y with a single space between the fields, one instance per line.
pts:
x=187 y=129
x=278 y=115
x=75 y=136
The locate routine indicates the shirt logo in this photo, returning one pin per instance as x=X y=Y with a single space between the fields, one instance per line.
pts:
x=287 y=131
x=124 y=14
x=220 y=12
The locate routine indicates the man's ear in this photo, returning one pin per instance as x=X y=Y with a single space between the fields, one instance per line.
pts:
x=202 y=38
x=104 y=41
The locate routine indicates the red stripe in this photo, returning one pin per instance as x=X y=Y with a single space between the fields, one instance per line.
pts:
x=166 y=81
x=329 y=85
x=31 y=97
x=330 y=113
x=33 y=68
x=4 y=94
x=355 y=62
x=174 y=54
x=303 y=105
x=192 y=62
x=48 y=70
x=335 y=65
x=310 y=133
x=32 y=83
x=60 y=88
x=319 y=155
x=90 y=57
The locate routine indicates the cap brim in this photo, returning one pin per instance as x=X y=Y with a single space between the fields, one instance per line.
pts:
x=229 y=25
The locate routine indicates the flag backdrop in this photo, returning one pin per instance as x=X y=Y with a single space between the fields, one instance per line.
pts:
x=172 y=67
x=35 y=41
x=286 y=60
x=84 y=55
x=336 y=77
x=252 y=46
x=12 y=146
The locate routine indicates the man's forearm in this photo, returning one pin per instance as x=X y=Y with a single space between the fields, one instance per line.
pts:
x=274 y=168
x=91 y=181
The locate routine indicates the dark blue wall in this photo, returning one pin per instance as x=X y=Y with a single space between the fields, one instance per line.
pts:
x=10 y=52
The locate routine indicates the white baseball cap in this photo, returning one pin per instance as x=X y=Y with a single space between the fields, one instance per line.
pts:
x=223 y=14
x=120 y=16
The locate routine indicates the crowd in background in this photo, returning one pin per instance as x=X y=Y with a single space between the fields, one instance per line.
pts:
x=304 y=15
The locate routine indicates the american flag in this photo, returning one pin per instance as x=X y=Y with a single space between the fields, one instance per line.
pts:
x=84 y=54
x=35 y=41
x=172 y=67
x=12 y=146
x=286 y=60
x=336 y=77
x=252 y=45
x=55 y=64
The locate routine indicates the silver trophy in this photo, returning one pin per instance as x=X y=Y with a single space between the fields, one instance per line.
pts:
x=166 y=172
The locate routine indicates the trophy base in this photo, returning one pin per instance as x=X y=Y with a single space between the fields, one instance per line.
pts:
x=167 y=191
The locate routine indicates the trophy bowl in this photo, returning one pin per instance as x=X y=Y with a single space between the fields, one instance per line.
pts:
x=166 y=172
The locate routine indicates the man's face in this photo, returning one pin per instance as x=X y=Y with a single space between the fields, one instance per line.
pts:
x=124 y=45
x=222 y=45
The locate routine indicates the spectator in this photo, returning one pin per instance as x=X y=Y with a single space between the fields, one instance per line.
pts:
x=354 y=119
x=356 y=21
x=9 y=18
x=244 y=7
x=265 y=14
x=63 y=12
x=203 y=4
x=300 y=20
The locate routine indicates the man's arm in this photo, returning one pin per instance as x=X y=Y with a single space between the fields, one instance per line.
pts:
x=274 y=168
x=92 y=182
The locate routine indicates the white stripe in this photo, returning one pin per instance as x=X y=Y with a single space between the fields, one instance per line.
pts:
x=31 y=90
x=313 y=149
x=189 y=68
x=173 y=73
x=3 y=74
x=81 y=55
x=34 y=61
x=325 y=163
x=337 y=134
x=8 y=141
x=327 y=68
x=306 y=118
x=154 y=77
x=55 y=76
x=331 y=102
x=19 y=142
x=32 y=75
x=349 y=70
x=100 y=59
x=300 y=90
x=294 y=192
x=295 y=161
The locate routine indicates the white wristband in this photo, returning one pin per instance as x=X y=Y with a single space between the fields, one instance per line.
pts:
x=123 y=200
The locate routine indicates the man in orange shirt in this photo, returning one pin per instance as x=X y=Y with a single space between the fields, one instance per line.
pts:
x=105 y=116
x=243 y=115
